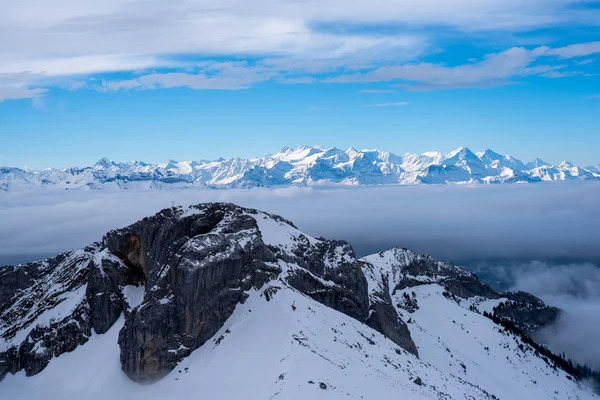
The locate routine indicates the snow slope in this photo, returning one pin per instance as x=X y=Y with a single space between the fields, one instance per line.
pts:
x=275 y=349
x=266 y=350
x=305 y=166
x=280 y=342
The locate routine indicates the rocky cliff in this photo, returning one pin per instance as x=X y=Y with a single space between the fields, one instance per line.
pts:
x=178 y=276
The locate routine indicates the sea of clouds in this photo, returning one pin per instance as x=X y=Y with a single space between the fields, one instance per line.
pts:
x=541 y=238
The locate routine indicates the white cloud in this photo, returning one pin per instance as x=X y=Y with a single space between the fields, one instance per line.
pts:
x=68 y=37
x=521 y=221
x=576 y=50
x=38 y=36
x=175 y=79
x=494 y=69
x=584 y=62
x=15 y=93
x=14 y=86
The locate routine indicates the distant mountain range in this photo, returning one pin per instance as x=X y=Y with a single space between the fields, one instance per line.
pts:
x=307 y=165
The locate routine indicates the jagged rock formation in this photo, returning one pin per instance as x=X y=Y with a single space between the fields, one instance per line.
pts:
x=178 y=277
x=399 y=269
x=196 y=265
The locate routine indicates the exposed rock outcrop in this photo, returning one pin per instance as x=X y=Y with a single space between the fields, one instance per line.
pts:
x=188 y=269
x=43 y=312
x=526 y=311
x=402 y=269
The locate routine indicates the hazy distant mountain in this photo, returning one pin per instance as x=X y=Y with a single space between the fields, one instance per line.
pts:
x=223 y=302
x=308 y=166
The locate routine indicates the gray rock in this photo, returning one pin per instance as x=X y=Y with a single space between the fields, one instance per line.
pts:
x=196 y=273
x=526 y=311
x=28 y=291
x=104 y=293
x=196 y=266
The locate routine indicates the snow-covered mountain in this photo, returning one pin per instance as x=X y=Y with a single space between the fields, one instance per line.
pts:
x=224 y=302
x=306 y=166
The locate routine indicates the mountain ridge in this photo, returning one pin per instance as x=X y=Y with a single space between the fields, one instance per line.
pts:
x=307 y=165
x=241 y=298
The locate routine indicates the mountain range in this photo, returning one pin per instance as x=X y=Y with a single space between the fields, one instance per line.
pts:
x=306 y=166
x=223 y=302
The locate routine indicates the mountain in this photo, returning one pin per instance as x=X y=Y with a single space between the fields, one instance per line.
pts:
x=220 y=301
x=305 y=165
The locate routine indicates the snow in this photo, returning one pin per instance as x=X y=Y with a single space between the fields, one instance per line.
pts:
x=267 y=351
x=67 y=303
x=47 y=300
x=292 y=347
x=471 y=346
x=279 y=233
x=304 y=165
x=134 y=295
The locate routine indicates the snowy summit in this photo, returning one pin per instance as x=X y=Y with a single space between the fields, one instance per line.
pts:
x=235 y=303
x=307 y=165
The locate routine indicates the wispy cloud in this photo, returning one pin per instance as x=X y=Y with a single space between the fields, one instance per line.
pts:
x=494 y=69
x=72 y=39
x=576 y=50
x=595 y=96
x=17 y=86
x=15 y=93
x=177 y=79
x=584 y=62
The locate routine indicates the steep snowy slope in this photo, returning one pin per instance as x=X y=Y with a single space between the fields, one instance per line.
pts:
x=289 y=347
x=443 y=305
x=305 y=166
x=221 y=301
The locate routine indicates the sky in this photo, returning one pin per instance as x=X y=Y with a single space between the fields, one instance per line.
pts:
x=189 y=80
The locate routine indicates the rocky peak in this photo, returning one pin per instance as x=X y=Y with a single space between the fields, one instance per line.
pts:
x=103 y=163
x=177 y=277
x=193 y=267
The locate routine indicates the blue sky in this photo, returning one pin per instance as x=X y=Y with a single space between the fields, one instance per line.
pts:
x=207 y=79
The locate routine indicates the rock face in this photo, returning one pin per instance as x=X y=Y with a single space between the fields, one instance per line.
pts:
x=526 y=311
x=399 y=269
x=43 y=311
x=197 y=268
x=178 y=276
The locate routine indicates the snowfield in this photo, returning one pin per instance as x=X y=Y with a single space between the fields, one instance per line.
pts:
x=287 y=347
x=266 y=350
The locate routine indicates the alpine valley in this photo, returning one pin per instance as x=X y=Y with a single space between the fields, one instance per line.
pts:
x=305 y=166
x=217 y=301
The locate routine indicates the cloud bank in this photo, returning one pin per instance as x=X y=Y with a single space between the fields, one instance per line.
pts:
x=161 y=44
x=573 y=287
x=526 y=222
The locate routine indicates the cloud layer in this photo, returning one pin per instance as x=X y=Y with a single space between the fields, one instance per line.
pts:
x=573 y=287
x=541 y=221
x=71 y=40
